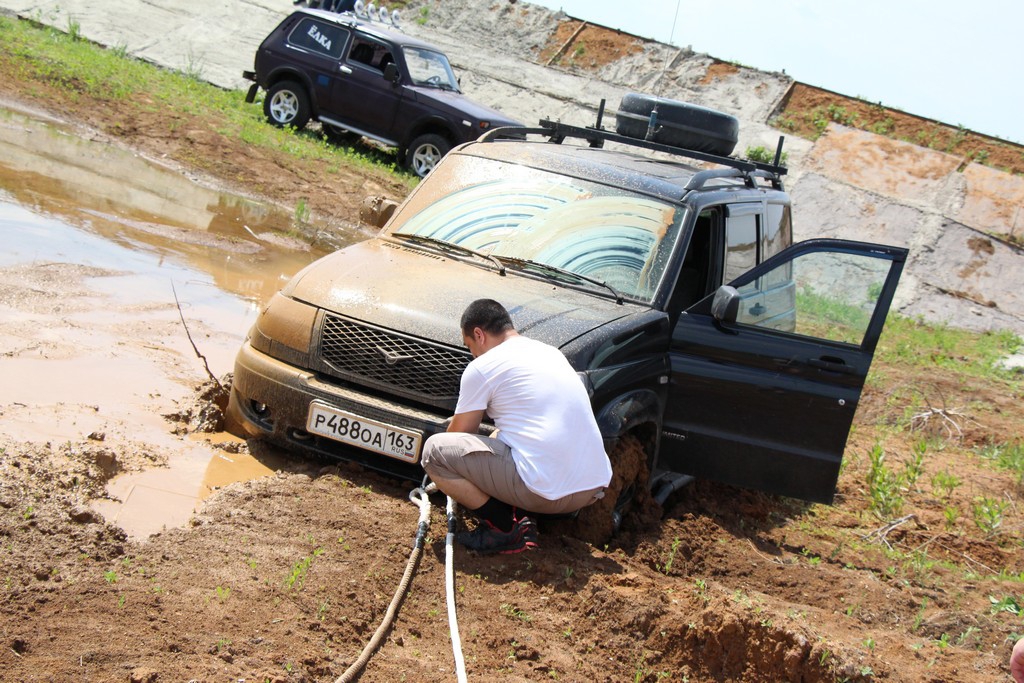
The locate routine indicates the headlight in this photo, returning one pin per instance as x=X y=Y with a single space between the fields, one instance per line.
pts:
x=284 y=329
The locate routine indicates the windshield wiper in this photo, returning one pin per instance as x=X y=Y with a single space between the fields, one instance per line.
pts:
x=526 y=264
x=452 y=247
x=440 y=85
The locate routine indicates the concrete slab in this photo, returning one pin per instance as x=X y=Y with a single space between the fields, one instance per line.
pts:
x=878 y=164
x=828 y=208
x=993 y=201
x=938 y=306
x=969 y=280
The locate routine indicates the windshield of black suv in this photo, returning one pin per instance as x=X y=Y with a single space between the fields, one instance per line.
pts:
x=523 y=216
x=430 y=68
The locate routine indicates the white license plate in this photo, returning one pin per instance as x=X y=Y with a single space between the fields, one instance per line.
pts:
x=339 y=425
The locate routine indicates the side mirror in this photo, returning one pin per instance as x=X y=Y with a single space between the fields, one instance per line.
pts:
x=726 y=304
x=391 y=73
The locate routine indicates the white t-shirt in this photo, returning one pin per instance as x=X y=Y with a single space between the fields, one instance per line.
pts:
x=543 y=413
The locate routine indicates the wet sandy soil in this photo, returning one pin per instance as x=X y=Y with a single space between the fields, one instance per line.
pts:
x=113 y=267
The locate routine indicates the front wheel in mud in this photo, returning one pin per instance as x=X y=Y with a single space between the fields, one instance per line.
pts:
x=627 y=500
x=287 y=104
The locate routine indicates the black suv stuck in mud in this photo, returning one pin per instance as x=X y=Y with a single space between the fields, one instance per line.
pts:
x=699 y=331
x=358 y=77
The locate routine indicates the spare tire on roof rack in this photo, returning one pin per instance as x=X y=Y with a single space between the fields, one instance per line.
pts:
x=679 y=124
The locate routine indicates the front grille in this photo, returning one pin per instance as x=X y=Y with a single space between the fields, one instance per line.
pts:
x=403 y=365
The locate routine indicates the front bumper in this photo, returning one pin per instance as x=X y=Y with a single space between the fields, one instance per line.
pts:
x=270 y=400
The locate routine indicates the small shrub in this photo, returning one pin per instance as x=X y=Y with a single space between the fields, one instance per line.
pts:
x=944 y=483
x=513 y=611
x=74 y=29
x=915 y=467
x=883 y=486
x=764 y=155
x=667 y=567
x=988 y=514
x=1007 y=604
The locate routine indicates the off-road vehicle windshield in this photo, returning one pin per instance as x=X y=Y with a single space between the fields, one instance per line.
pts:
x=430 y=68
x=612 y=237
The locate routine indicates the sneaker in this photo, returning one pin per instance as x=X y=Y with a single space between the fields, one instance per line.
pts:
x=530 y=535
x=487 y=539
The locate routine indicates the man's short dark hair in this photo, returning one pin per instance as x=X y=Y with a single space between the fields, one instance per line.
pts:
x=488 y=315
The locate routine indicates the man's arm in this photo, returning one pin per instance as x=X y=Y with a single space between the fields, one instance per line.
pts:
x=466 y=422
x=1017 y=661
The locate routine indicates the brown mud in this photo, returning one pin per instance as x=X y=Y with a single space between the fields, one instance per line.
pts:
x=578 y=44
x=286 y=576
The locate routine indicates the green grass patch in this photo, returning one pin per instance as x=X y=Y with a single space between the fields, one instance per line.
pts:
x=914 y=343
x=79 y=69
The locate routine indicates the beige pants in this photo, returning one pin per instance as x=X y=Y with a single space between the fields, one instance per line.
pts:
x=488 y=464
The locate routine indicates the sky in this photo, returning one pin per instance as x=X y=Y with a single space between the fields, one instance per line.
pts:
x=961 y=63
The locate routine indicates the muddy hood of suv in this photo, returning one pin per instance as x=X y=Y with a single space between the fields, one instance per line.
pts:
x=403 y=288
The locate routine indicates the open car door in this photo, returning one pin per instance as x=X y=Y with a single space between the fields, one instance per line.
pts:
x=768 y=371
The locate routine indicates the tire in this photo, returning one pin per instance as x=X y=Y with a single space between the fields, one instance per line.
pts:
x=679 y=124
x=628 y=497
x=339 y=135
x=287 y=104
x=425 y=152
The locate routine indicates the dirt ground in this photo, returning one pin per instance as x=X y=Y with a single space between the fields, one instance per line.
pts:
x=580 y=45
x=286 y=577
x=807 y=110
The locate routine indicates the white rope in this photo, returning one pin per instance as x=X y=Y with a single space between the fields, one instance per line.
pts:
x=419 y=496
x=449 y=585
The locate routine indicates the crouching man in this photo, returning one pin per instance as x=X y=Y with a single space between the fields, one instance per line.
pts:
x=547 y=456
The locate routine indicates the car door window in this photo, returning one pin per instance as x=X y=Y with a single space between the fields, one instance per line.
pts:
x=369 y=54
x=825 y=295
x=431 y=68
x=317 y=36
x=777 y=230
x=741 y=239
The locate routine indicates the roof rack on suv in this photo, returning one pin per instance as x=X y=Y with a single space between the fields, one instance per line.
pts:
x=596 y=136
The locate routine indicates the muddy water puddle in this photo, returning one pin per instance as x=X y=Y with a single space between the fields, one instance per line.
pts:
x=154 y=500
x=116 y=275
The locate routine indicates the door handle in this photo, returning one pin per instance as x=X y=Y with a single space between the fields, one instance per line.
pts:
x=831 y=364
x=345 y=69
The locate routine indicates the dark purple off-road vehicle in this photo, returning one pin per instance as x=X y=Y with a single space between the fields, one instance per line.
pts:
x=361 y=77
